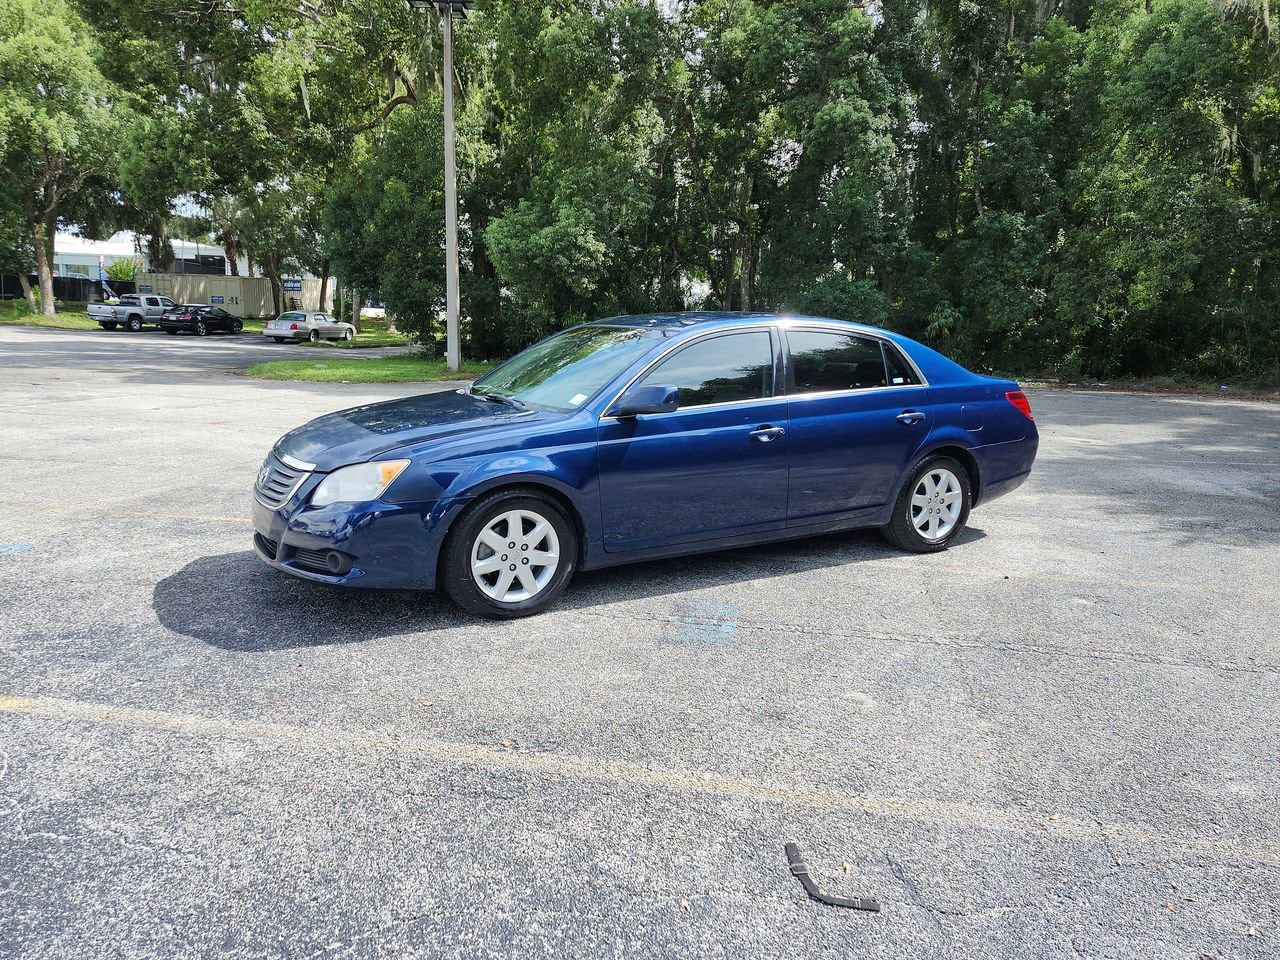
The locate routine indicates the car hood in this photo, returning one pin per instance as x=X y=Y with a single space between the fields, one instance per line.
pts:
x=362 y=433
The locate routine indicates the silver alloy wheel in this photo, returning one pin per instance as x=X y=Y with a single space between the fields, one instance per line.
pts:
x=515 y=556
x=936 y=503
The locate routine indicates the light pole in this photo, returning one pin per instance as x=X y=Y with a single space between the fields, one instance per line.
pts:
x=448 y=9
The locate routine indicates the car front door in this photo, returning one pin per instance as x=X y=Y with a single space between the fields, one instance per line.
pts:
x=858 y=413
x=714 y=468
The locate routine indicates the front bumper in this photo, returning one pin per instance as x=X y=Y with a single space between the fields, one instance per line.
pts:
x=377 y=545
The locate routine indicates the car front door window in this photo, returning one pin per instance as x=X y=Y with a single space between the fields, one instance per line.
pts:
x=722 y=369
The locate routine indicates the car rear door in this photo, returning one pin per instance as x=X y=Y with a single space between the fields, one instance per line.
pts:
x=858 y=411
x=714 y=468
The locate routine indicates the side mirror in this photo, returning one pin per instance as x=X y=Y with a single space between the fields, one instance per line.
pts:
x=650 y=398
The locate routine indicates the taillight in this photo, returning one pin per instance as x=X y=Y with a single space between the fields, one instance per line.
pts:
x=165 y=315
x=293 y=326
x=1019 y=400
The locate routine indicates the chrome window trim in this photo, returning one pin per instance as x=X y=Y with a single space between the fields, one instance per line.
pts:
x=802 y=326
x=680 y=345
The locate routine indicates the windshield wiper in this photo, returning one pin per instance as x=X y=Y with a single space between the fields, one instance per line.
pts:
x=503 y=398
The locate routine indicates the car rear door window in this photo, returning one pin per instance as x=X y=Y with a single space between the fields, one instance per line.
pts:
x=823 y=362
x=738 y=366
x=901 y=373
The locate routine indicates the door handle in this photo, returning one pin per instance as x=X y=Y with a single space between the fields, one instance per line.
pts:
x=767 y=433
x=910 y=416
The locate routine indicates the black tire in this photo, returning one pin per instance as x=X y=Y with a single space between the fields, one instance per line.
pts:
x=201 y=329
x=457 y=579
x=278 y=339
x=348 y=334
x=314 y=336
x=109 y=325
x=901 y=530
x=236 y=326
x=171 y=330
x=133 y=324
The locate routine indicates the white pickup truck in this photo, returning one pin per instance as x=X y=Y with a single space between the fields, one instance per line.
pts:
x=133 y=310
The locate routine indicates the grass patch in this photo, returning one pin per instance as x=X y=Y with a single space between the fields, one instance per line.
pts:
x=365 y=338
x=402 y=369
x=71 y=316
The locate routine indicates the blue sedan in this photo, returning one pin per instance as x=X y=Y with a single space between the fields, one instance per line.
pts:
x=641 y=437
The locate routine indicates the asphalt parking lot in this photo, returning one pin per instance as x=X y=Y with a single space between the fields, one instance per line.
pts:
x=1058 y=739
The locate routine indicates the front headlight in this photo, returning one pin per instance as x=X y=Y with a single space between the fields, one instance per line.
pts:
x=355 y=484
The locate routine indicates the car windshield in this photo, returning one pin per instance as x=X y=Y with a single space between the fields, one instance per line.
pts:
x=564 y=371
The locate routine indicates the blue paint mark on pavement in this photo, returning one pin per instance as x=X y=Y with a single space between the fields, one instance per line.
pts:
x=708 y=624
x=11 y=549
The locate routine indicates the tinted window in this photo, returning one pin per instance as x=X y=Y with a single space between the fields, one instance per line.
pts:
x=735 y=367
x=834 y=361
x=900 y=372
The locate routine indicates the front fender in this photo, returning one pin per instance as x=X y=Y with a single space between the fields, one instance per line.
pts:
x=570 y=472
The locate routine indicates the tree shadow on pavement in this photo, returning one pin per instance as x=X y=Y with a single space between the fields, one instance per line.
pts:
x=235 y=602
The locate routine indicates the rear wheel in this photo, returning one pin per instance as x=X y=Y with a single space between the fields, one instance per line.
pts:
x=109 y=325
x=932 y=508
x=278 y=339
x=314 y=336
x=510 y=556
x=133 y=324
x=172 y=331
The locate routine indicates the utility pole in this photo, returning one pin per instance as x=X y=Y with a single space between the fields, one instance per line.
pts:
x=453 y=336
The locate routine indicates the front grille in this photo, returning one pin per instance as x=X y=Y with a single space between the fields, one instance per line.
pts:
x=277 y=481
x=266 y=545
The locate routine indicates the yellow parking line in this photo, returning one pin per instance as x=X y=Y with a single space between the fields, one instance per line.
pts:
x=153 y=515
x=1052 y=826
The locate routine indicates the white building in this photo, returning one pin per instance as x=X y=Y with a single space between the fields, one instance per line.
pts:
x=77 y=257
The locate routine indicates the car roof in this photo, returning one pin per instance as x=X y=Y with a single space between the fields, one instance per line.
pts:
x=937 y=369
x=721 y=319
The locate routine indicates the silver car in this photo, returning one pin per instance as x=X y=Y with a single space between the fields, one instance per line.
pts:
x=308 y=325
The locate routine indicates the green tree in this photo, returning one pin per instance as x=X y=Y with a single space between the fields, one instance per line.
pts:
x=58 y=124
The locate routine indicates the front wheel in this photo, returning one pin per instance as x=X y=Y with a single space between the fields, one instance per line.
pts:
x=201 y=329
x=348 y=334
x=932 y=508
x=509 y=556
x=236 y=326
